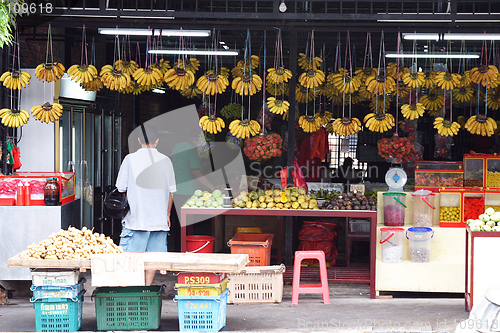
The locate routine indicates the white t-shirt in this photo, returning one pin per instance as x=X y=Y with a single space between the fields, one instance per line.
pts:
x=148 y=178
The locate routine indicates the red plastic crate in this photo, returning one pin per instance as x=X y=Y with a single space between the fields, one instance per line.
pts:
x=200 y=278
x=257 y=246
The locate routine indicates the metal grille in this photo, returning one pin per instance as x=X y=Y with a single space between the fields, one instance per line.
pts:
x=340 y=150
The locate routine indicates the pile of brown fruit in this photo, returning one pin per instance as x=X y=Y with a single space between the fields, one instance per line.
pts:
x=351 y=201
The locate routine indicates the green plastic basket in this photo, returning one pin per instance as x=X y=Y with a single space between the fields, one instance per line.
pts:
x=128 y=308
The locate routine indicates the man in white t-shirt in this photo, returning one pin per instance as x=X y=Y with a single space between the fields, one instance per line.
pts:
x=148 y=178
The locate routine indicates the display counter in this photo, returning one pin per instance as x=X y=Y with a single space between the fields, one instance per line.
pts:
x=482 y=270
x=445 y=272
x=22 y=226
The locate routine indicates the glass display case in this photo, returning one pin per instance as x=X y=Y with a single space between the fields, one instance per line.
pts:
x=493 y=171
x=36 y=182
x=435 y=179
x=492 y=200
x=450 y=208
x=474 y=171
x=439 y=165
x=473 y=204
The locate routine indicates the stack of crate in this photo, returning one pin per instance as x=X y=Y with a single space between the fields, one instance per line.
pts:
x=258 y=282
x=201 y=301
x=57 y=299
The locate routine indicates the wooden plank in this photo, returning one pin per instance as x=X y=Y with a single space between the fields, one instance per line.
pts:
x=170 y=261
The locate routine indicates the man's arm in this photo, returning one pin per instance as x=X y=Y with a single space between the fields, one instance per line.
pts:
x=169 y=209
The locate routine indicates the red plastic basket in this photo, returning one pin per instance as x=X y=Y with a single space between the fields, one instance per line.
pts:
x=257 y=246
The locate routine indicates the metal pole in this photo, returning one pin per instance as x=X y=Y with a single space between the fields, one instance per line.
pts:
x=293 y=103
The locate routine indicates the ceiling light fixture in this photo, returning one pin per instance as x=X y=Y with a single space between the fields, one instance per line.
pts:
x=432 y=56
x=197 y=52
x=282 y=6
x=158 y=91
x=147 y=32
x=421 y=36
x=455 y=36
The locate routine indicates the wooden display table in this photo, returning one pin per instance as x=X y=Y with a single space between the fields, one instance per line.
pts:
x=482 y=270
x=170 y=261
x=282 y=214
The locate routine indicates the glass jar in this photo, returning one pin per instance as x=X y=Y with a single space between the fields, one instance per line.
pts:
x=51 y=192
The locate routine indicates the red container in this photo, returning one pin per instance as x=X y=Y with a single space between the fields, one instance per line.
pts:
x=257 y=246
x=200 y=278
x=200 y=244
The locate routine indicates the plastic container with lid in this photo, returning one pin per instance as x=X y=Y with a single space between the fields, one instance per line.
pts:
x=394 y=209
x=420 y=243
x=51 y=192
x=391 y=240
x=423 y=208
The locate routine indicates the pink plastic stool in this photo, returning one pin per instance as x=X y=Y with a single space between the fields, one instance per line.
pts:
x=321 y=288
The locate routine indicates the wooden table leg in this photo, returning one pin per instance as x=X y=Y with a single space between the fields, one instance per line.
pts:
x=279 y=227
x=183 y=230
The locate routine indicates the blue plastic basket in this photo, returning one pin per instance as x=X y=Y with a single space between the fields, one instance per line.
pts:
x=58 y=314
x=57 y=291
x=202 y=313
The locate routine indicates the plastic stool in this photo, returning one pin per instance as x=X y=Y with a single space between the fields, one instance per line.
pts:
x=321 y=288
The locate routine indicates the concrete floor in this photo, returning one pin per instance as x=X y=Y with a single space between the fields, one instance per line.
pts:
x=351 y=310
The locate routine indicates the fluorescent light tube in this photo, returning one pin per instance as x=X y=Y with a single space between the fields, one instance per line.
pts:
x=418 y=36
x=158 y=91
x=455 y=36
x=432 y=56
x=197 y=52
x=147 y=32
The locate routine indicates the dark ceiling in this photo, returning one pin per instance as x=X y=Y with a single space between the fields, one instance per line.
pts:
x=330 y=20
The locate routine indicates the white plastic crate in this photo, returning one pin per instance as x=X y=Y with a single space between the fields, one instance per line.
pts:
x=256 y=284
x=359 y=225
x=48 y=277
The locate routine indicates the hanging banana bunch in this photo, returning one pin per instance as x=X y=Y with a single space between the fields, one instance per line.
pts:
x=447 y=80
x=94 y=85
x=307 y=63
x=380 y=84
x=243 y=129
x=192 y=65
x=414 y=80
x=312 y=78
x=212 y=124
x=392 y=70
x=379 y=122
x=14 y=118
x=354 y=97
x=149 y=76
x=304 y=95
x=114 y=79
x=463 y=94
x=404 y=90
x=379 y=104
x=245 y=66
x=344 y=82
x=277 y=106
x=365 y=72
x=16 y=79
x=162 y=64
x=310 y=124
x=47 y=112
x=134 y=89
x=179 y=78
x=432 y=101
x=493 y=100
x=326 y=118
x=127 y=66
x=464 y=80
x=277 y=89
x=461 y=120
x=481 y=125
x=83 y=72
x=248 y=84
x=278 y=75
x=446 y=127
x=212 y=84
x=346 y=126
x=192 y=92
x=486 y=75
x=430 y=80
x=412 y=111
x=365 y=94
x=48 y=72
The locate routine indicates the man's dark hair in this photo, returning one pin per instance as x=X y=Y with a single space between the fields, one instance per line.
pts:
x=148 y=134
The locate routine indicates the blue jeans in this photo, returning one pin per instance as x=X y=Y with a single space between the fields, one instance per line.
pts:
x=143 y=241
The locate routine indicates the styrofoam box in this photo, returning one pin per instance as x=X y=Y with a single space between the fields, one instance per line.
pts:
x=55 y=278
x=359 y=225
